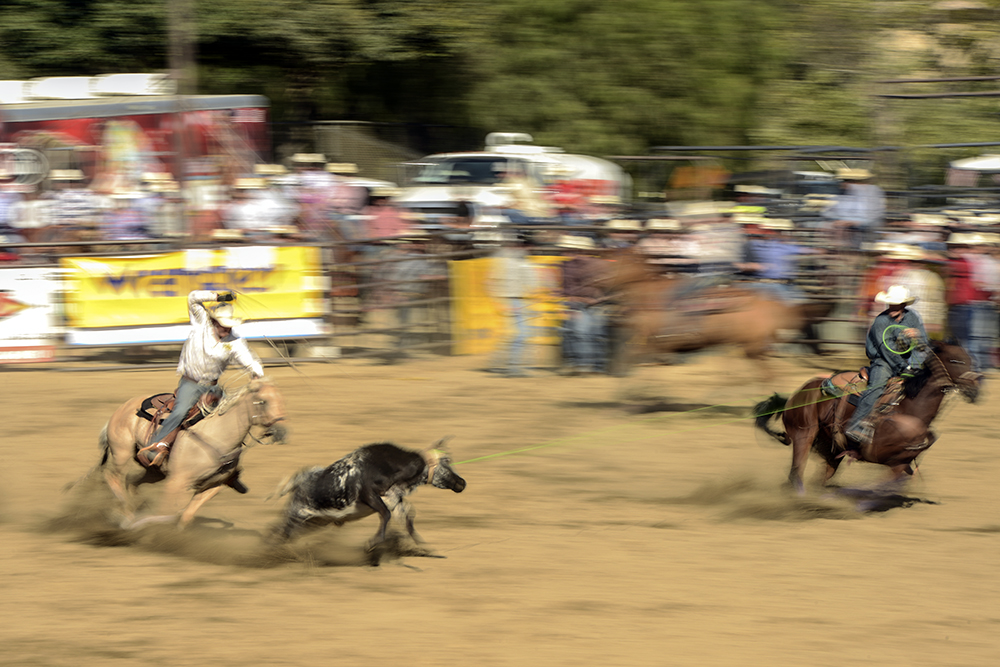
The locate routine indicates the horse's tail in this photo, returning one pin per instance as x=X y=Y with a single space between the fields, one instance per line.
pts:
x=105 y=445
x=767 y=410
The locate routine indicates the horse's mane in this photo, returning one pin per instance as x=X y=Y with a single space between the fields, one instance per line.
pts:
x=915 y=384
x=231 y=399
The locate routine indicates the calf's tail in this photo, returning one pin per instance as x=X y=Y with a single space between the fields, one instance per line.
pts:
x=768 y=410
x=290 y=483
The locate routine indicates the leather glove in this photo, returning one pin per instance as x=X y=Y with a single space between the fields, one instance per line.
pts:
x=226 y=296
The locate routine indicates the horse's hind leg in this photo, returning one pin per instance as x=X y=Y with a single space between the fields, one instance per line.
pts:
x=801 y=442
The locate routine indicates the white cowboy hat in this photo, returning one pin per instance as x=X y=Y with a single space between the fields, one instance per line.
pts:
x=225 y=315
x=575 y=242
x=896 y=295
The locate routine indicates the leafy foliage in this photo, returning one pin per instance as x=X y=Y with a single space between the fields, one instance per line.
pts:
x=590 y=76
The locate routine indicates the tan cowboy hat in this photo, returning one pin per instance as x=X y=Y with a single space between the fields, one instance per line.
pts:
x=853 y=174
x=896 y=295
x=225 y=315
x=572 y=242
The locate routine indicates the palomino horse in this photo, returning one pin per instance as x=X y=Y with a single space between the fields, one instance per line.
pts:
x=203 y=458
x=660 y=314
x=810 y=418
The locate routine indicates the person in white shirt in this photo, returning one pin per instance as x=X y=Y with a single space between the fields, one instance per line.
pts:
x=208 y=350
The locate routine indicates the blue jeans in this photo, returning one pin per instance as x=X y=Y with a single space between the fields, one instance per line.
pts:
x=878 y=374
x=585 y=337
x=518 y=315
x=187 y=393
x=982 y=334
x=960 y=324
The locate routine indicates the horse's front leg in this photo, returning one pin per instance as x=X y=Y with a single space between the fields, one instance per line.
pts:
x=195 y=504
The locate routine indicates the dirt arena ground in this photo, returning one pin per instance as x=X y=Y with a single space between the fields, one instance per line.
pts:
x=597 y=537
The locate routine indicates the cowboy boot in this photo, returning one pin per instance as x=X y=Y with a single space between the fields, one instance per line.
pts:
x=157 y=453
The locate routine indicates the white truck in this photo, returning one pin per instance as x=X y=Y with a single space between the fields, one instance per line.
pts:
x=445 y=183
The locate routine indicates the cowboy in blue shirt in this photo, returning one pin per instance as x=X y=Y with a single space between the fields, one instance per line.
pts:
x=889 y=359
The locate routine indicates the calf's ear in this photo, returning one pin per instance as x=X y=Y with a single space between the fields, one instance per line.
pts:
x=440 y=444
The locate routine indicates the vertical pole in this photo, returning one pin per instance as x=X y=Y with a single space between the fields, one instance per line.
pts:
x=183 y=72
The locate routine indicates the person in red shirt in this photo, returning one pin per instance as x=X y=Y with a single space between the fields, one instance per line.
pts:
x=961 y=292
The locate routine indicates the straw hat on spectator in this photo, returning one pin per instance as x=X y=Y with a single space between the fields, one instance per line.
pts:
x=65 y=175
x=853 y=174
x=896 y=295
x=385 y=191
x=269 y=169
x=169 y=185
x=227 y=234
x=663 y=225
x=606 y=200
x=342 y=168
x=968 y=239
x=309 y=158
x=623 y=226
x=905 y=252
x=930 y=219
x=777 y=224
x=250 y=184
x=572 y=242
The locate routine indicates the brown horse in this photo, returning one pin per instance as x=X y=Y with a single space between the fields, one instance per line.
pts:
x=810 y=418
x=661 y=314
x=203 y=458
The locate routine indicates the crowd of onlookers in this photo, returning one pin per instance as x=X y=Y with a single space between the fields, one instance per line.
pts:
x=845 y=245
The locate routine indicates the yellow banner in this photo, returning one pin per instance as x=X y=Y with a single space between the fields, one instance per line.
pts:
x=273 y=283
x=477 y=323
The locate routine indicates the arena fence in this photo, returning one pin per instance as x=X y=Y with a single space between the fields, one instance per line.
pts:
x=371 y=308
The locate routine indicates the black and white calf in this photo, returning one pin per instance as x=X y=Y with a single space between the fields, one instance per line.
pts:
x=375 y=478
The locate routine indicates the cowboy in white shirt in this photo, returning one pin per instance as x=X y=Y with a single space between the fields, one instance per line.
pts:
x=208 y=350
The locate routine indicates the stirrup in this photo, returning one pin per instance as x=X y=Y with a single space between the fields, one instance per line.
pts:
x=160 y=452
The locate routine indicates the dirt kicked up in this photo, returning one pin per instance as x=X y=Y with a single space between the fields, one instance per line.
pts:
x=588 y=534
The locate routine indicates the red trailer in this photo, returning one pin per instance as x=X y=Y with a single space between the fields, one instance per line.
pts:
x=127 y=136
